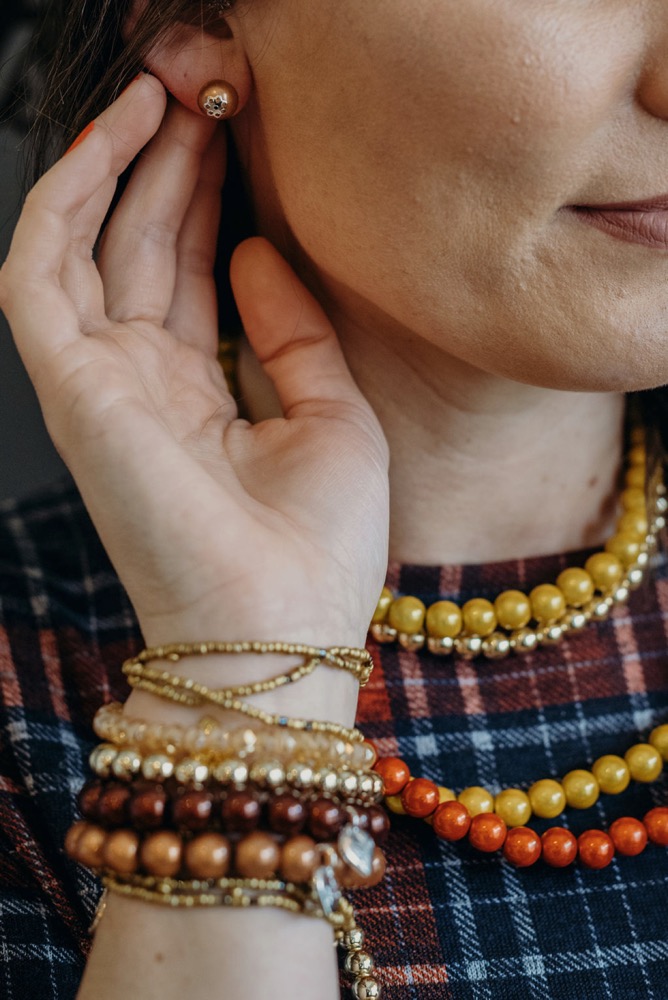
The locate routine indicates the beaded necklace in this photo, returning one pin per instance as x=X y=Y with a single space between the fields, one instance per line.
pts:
x=493 y=823
x=519 y=623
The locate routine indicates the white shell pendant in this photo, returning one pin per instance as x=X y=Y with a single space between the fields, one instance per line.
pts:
x=356 y=848
x=327 y=888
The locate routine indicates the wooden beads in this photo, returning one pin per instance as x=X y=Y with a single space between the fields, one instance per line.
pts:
x=207 y=855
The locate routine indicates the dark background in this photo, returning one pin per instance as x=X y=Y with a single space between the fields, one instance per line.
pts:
x=27 y=459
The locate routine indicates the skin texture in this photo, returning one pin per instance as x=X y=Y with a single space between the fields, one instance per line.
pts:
x=442 y=135
x=415 y=161
x=460 y=133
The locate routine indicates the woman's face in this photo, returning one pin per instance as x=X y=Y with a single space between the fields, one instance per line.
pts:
x=426 y=156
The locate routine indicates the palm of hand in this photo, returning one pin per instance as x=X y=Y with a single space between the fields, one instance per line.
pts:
x=203 y=514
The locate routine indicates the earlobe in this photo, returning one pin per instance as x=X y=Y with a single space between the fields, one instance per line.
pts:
x=204 y=68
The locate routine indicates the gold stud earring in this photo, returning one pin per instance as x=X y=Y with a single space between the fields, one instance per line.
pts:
x=218 y=99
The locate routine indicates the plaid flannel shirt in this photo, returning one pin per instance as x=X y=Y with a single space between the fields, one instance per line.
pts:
x=446 y=922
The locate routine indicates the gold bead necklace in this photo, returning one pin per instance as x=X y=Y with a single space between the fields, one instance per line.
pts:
x=519 y=623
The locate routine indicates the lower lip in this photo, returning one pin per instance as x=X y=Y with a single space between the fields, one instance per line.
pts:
x=648 y=227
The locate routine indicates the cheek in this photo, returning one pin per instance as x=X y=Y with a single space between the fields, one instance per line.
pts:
x=426 y=174
x=457 y=112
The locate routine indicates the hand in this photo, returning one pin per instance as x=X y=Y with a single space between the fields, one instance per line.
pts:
x=218 y=529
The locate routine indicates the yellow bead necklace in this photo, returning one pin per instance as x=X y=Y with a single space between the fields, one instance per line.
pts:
x=519 y=623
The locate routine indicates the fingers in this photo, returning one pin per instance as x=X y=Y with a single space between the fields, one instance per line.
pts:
x=289 y=332
x=193 y=316
x=137 y=259
x=48 y=283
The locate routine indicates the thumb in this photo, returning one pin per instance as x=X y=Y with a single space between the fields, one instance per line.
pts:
x=289 y=333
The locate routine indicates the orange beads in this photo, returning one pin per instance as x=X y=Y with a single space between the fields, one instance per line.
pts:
x=656 y=824
x=523 y=847
x=595 y=849
x=628 y=835
x=488 y=832
x=560 y=847
x=451 y=821
x=420 y=797
x=394 y=772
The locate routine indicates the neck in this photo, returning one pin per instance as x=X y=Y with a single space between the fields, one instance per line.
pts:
x=484 y=469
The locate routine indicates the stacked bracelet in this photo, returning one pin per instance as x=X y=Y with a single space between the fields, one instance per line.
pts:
x=284 y=813
x=208 y=737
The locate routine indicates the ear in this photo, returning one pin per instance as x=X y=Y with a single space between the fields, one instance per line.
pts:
x=189 y=57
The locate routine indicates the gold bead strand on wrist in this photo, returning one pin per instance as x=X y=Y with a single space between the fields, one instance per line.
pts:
x=187 y=691
x=580 y=595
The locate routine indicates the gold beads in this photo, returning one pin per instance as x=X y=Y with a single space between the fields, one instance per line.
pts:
x=547 y=798
x=633 y=498
x=612 y=774
x=479 y=617
x=513 y=609
x=406 y=614
x=625 y=546
x=581 y=789
x=576 y=585
x=547 y=603
x=383 y=606
x=513 y=806
x=634 y=522
x=644 y=762
x=659 y=740
x=444 y=620
x=477 y=800
x=605 y=570
x=517 y=623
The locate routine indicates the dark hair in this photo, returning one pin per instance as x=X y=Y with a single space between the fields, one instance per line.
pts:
x=85 y=63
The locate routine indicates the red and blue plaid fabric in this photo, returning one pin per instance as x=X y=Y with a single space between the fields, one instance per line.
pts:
x=447 y=922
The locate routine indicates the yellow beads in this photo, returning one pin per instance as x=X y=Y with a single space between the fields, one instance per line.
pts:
x=659 y=740
x=395 y=805
x=644 y=762
x=444 y=620
x=517 y=623
x=406 y=614
x=547 y=798
x=581 y=789
x=635 y=477
x=605 y=570
x=383 y=606
x=513 y=609
x=547 y=603
x=576 y=585
x=633 y=498
x=477 y=800
x=625 y=546
x=513 y=806
x=479 y=617
x=633 y=522
x=612 y=774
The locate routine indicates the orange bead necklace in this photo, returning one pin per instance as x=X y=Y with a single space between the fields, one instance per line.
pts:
x=472 y=814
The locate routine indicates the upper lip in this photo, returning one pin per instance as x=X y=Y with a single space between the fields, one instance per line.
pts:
x=658 y=204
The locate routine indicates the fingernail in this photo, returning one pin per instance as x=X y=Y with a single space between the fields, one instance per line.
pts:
x=80 y=138
x=133 y=80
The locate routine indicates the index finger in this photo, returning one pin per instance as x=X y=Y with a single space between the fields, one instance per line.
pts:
x=77 y=183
